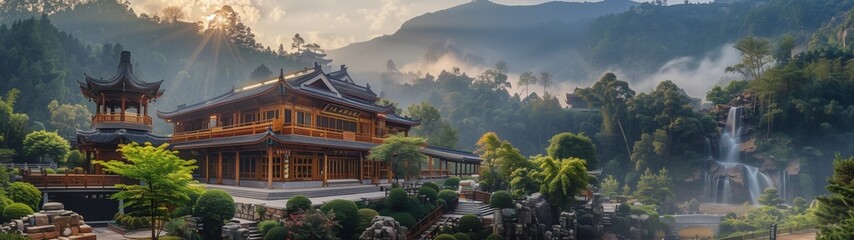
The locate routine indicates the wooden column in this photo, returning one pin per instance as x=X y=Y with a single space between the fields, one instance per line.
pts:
x=219 y=168
x=207 y=168
x=447 y=170
x=270 y=167
x=361 y=168
x=325 y=170
x=430 y=168
x=236 y=167
x=124 y=98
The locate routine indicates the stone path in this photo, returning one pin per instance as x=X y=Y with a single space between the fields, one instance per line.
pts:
x=104 y=233
x=280 y=204
x=798 y=236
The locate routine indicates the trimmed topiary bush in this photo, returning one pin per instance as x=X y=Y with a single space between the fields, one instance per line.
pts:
x=277 y=233
x=470 y=223
x=432 y=185
x=366 y=215
x=4 y=202
x=214 y=207
x=495 y=236
x=397 y=200
x=442 y=203
x=17 y=210
x=405 y=219
x=346 y=213
x=461 y=236
x=430 y=193
x=298 y=202
x=25 y=193
x=444 y=237
x=501 y=199
x=449 y=196
x=266 y=225
x=473 y=235
x=452 y=183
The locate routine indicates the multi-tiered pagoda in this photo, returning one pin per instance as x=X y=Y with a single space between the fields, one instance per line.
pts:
x=121 y=114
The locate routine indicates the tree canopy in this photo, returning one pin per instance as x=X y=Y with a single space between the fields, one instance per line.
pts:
x=41 y=144
x=168 y=180
x=403 y=153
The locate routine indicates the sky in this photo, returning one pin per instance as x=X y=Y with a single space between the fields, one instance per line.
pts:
x=330 y=23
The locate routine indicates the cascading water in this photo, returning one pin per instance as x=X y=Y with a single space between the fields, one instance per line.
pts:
x=730 y=145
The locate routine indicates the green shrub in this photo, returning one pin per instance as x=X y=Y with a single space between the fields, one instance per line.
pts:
x=449 y=196
x=276 y=233
x=214 y=207
x=298 y=202
x=430 y=193
x=452 y=183
x=461 y=236
x=501 y=199
x=125 y=221
x=366 y=215
x=4 y=202
x=397 y=200
x=346 y=214
x=470 y=223
x=25 y=193
x=404 y=218
x=266 y=225
x=624 y=210
x=17 y=210
x=495 y=236
x=432 y=185
x=49 y=171
x=442 y=203
x=12 y=236
x=444 y=237
x=473 y=235
x=414 y=207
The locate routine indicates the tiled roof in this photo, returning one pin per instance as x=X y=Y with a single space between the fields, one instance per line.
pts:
x=117 y=135
x=123 y=80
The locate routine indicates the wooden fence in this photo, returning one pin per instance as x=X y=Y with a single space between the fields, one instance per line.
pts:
x=765 y=234
x=425 y=222
x=72 y=180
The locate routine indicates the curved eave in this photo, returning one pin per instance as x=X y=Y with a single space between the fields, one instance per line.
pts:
x=124 y=82
x=216 y=101
x=404 y=121
x=95 y=136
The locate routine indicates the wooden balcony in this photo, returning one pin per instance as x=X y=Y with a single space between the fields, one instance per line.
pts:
x=278 y=126
x=119 y=118
x=72 y=180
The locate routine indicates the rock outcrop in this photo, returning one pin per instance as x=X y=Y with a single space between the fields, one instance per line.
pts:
x=52 y=222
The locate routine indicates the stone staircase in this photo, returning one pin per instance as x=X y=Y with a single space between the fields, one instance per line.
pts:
x=278 y=194
x=474 y=208
x=254 y=234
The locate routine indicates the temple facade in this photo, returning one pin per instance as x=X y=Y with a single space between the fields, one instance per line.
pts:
x=121 y=113
x=301 y=129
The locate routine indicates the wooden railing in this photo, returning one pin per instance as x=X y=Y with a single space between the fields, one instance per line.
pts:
x=228 y=131
x=434 y=173
x=426 y=222
x=72 y=180
x=117 y=117
x=278 y=126
x=764 y=234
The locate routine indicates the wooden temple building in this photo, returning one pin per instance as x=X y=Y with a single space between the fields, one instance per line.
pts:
x=121 y=113
x=301 y=129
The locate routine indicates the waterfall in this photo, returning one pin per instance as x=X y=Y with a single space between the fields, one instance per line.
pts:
x=730 y=153
x=727 y=191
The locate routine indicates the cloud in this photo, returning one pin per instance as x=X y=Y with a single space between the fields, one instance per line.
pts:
x=695 y=76
x=328 y=40
x=277 y=13
x=390 y=10
x=197 y=10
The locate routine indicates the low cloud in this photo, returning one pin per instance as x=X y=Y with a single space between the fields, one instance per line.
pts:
x=277 y=13
x=695 y=76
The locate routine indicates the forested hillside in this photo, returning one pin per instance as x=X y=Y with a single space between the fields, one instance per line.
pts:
x=198 y=60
